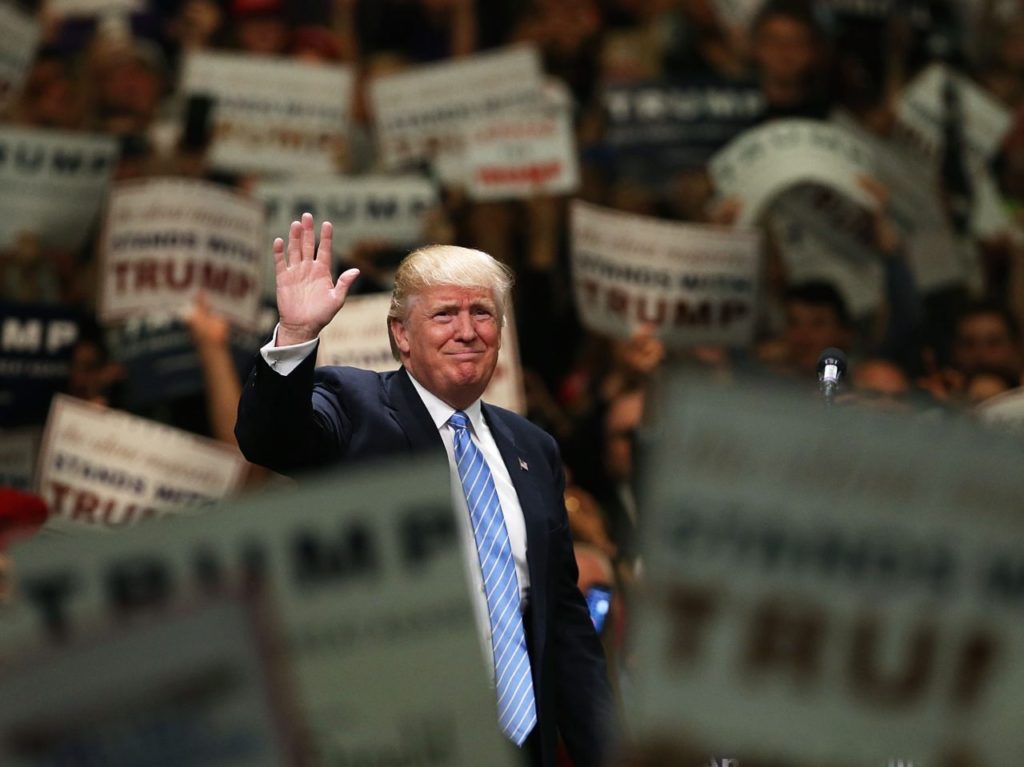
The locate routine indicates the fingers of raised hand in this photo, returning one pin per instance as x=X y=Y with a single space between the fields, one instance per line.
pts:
x=324 y=251
x=308 y=238
x=279 y=262
x=294 y=244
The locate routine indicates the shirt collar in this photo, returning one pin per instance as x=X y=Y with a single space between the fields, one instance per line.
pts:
x=441 y=411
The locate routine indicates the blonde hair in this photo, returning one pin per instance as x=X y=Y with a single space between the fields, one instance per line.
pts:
x=434 y=265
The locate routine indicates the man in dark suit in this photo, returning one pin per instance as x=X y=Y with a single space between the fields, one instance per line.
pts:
x=445 y=324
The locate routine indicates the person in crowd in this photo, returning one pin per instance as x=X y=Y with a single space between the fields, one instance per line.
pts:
x=51 y=97
x=790 y=56
x=211 y=333
x=447 y=309
x=881 y=384
x=987 y=336
x=260 y=27
x=983 y=384
x=816 y=318
x=129 y=80
x=196 y=24
x=93 y=374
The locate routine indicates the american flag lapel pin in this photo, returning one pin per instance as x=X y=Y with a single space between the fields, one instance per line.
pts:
x=523 y=465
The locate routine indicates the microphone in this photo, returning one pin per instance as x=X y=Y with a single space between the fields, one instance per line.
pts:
x=831 y=367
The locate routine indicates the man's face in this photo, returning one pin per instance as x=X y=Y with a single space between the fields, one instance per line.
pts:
x=810 y=329
x=784 y=49
x=449 y=341
x=983 y=340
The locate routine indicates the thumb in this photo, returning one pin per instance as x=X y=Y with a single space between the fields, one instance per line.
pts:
x=345 y=280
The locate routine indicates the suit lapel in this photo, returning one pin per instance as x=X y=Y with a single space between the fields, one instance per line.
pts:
x=532 y=503
x=411 y=414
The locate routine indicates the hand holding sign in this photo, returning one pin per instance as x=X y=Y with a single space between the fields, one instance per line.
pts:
x=887 y=238
x=307 y=295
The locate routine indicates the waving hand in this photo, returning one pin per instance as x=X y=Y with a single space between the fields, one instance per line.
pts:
x=307 y=295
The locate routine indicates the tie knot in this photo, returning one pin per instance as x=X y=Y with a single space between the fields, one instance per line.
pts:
x=459 y=420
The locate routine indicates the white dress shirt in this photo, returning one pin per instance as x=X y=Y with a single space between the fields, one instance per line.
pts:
x=284 y=359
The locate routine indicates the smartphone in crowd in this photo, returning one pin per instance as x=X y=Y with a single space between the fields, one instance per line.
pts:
x=599 y=601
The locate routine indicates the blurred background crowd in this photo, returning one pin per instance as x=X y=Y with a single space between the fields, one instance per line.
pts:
x=936 y=353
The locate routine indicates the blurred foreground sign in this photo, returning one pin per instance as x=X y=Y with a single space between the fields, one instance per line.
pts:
x=831 y=586
x=210 y=701
x=364 y=576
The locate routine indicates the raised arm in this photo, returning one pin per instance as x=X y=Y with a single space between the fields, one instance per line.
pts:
x=307 y=295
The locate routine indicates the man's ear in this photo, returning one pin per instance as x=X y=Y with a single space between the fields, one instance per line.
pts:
x=401 y=340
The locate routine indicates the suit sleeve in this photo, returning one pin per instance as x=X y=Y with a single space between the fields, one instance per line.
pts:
x=287 y=423
x=586 y=717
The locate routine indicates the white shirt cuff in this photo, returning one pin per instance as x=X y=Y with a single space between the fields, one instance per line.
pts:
x=284 y=359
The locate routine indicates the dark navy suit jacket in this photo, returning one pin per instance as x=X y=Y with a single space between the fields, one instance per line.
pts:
x=355 y=415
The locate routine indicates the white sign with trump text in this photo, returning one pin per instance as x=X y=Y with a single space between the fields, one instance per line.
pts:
x=167 y=239
x=694 y=284
x=420 y=113
x=364 y=574
x=272 y=115
x=830 y=586
x=102 y=468
x=762 y=162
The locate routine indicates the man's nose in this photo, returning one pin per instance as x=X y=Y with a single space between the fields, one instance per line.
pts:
x=464 y=328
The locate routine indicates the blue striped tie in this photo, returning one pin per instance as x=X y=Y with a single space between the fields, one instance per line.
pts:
x=517 y=712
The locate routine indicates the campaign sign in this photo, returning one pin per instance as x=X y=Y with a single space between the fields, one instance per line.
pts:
x=102 y=468
x=419 y=113
x=1004 y=411
x=695 y=284
x=813 y=247
x=923 y=109
x=365 y=574
x=383 y=210
x=94 y=7
x=166 y=239
x=764 y=161
x=160 y=359
x=18 y=450
x=664 y=126
x=829 y=585
x=36 y=343
x=358 y=337
x=52 y=184
x=18 y=37
x=196 y=686
x=861 y=9
x=738 y=13
x=520 y=155
x=272 y=115
x=915 y=208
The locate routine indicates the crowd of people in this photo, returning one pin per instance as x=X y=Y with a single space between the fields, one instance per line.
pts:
x=935 y=353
